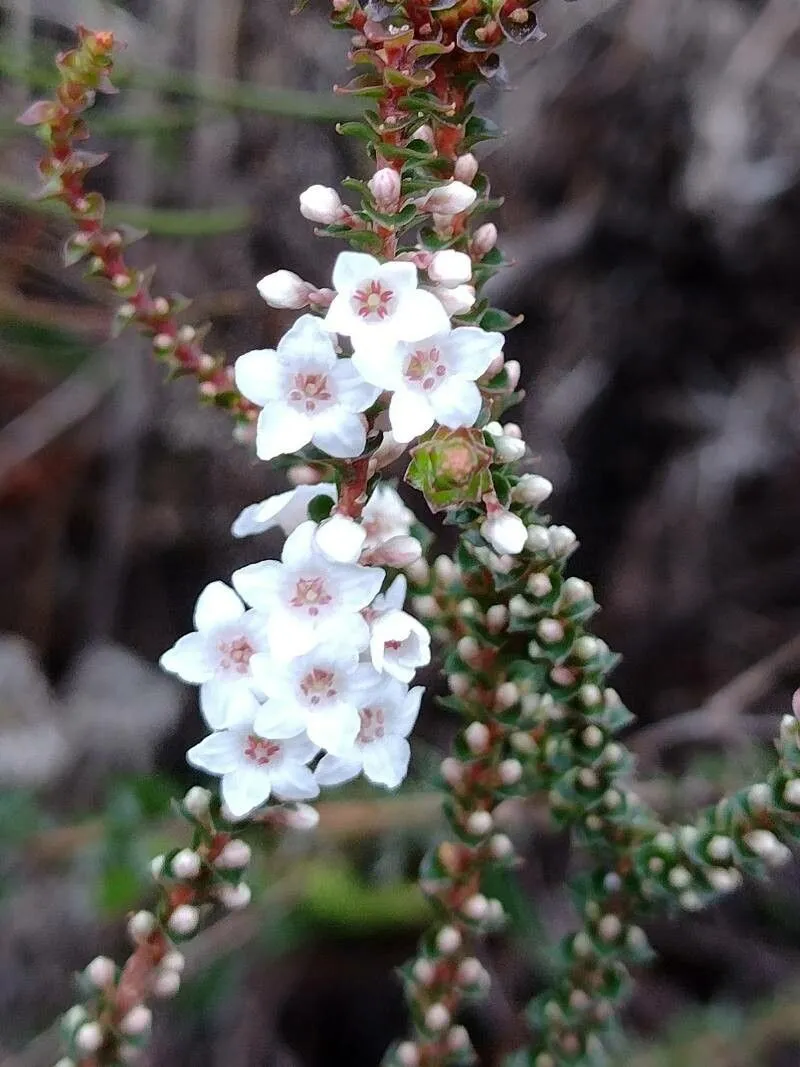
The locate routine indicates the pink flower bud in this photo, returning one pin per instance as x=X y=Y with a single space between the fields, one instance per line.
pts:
x=284 y=289
x=466 y=168
x=450 y=199
x=455 y=301
x=513 y=371
x=385 y=187
x=505 y=532
x=320 y=204
x=484 y=239
x=399 y=551
x=425 y=133
x=450 y=268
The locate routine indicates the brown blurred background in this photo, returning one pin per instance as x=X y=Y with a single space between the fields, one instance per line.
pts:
x=651 y=171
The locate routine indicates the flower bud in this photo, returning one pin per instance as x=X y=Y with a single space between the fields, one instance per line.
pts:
x=458 y=1039
x=509 y=449
x=484 y=239
x=138 y=1021
x=501 y=846
x=448 y=940
x=450 y=199
x=321 y=204
x=340 y=539
x=497 y=618
x=450 y=268
x=476 y=907
x=166 y=984
x=456 y=301
x=479 y=823
x=407 y=1055
x=513 y=372
x=141 y=926
x=437 y=1017
x=385 y=188
x=284 y=289
x=505 y=532
x=197 y=801
x=90 y=1037
x=477 y=737
x=184 y=920
x=510 y=771
x=532 y=489
x=186 y=864
x=466 y=168
x=235 y=855
x=235 y=897
x=101 y=972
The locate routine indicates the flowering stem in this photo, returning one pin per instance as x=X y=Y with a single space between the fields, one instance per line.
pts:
x=84 y=71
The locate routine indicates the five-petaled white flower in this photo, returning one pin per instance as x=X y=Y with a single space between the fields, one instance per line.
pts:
x=252 y=767
x=307 y=394
x=306 y=598
x=433 y=380
x=286 y=510
x=380 y=748
x=378 y=303
x=319 y=693
x=217 y=655
x=399 y=644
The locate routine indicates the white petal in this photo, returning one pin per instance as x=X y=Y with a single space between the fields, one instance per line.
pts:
x=351 y=268
x=218 y=753
x=278 y=720
x=333 y=770
x=301 y=749
x=382 y=367
x=335 y=731
x=248 y=523
x=420 y=315
x=456 y=403
x=386 y=761
x=307 y=340
x=340 y=539
x=351 y=630
x=293 y=781
x=354 y=393
x=470 y=350
x=298 y=548
x=396 y=593
x=340 y=317
x=227 y=704
x=258 y=375
x=340 y=434
x=281 y=430
x=410 y=415
x=400 y=277
x=216 y=606
x=258 y=583
x=246 y=789
x=402 y=721
x=357 y=586
x=190 y=658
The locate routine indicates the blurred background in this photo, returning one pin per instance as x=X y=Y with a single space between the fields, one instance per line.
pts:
x=651 y=171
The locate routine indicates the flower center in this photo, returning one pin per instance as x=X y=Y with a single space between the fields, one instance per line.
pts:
x=319 y=685
x=235 y=655
x=425 y=369
x=373 y=725
x=310 y=594
x=308 y=392
x=373 y=302
x=260 y=751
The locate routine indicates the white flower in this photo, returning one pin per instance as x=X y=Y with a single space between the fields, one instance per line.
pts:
x=284 y=289
x=252 y=767
x=380 y=303
x=385 y=516
x=306 y=598
x=340 y=539
x=286 y=510
x=217 y=655
x=319 y=203
x=307 y=394
x=432 y=379
x=450 y=268
x=450 y=199
x=399 y=644
x=380 y=748
x=505 y=532
x=455 y=301
x=319 y=693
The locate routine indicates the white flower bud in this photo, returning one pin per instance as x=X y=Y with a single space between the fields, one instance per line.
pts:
x=458 y=684
x=425 y=133
x=505 y=532
x=235 y=855
x=476 y=907
x=74 y=1017
x=300 y=817
x=186 y=864
x=679 y=878
x=426 y=607
x=506 y=695
x=562 y=540
x=497 y=618
x=539 y=585
x=141 y=925
x=101 y=972
x=791 y=792
x=510 y=771
x=484 y=239
x=724 y=879
x=450 y=199
x=407 y=1055
x=501 y=846
x=590 y=695
x=509 y=449
x=537 y=539
x=424 y=971
x=766 y=845
x=157 y=866
x=477 y=737
x=235 y=897
x=458 y=1039
x=451 y=770
x=592 y=736
x=450 y=268
x=184 y=920
x=720 y=848
x=457 y=300
x=65 y=1061
x=321 y=204
x=385 y=188
x=759 y=796
x=550 y=631
x=609 y=928
x=437 y=1017
x=468 y=649
x=469 y=971
x=166 y=984
x=532 y=489
x=479 y=823
x=514 y=372
x=90 y=1037
x=138 y=1021
x=197 y=801
x=522 y=743
x=284 y=289
x=466 y=167
x=448 y=940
